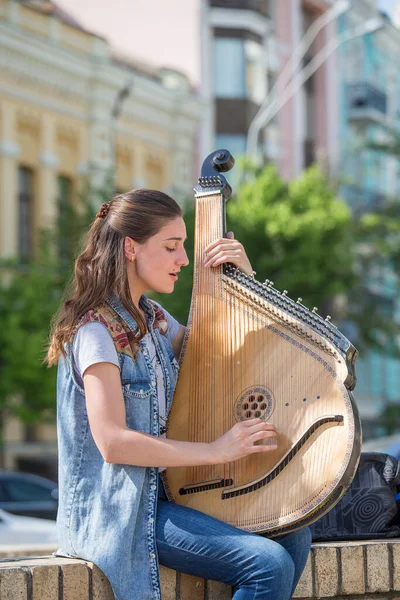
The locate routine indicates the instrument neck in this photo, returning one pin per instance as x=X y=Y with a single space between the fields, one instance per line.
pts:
x=209 y=226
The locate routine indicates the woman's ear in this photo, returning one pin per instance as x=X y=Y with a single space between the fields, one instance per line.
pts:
x=129 y=247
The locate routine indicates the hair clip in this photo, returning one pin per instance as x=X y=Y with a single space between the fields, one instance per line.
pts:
x=104 y=209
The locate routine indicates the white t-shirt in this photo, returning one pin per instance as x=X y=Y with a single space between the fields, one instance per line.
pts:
x=93 y=344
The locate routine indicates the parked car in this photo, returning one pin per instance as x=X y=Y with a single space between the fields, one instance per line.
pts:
x=28 y=495
x=26 y=530
x=389 y=445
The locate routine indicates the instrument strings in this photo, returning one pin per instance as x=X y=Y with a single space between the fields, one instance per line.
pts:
x=235 y=353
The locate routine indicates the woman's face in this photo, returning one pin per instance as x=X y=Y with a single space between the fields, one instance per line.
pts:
x=159 y=260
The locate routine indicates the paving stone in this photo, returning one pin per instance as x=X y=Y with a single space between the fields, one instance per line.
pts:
x=191 y=588
x=378 y=577
x=304 y=588
x=352 y=563
x=45 y=582
x=75 y=582
x=218 y=591
x=168 y=583
x=13 y=584
x=102 y=589
x=326 y=572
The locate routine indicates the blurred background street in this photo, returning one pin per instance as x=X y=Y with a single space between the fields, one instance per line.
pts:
x=101 y=97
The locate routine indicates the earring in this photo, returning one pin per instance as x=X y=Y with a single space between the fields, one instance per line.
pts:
x=132 y=258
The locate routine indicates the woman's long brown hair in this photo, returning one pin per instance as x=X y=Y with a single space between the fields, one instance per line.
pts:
x=101 y=268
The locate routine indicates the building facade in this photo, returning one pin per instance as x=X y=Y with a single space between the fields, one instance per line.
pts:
x=369 y=109
x=59 y=91
x=71 y=111
x=308 y=122
x=245 y=46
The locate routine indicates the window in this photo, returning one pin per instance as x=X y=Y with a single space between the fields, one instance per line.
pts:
x=64 y=190
x=392 y=379
x=229 y=68
x=30 y=433
x=236 y=144
x=26 y=491
x=154 y=173
x=256 y=77
x=2 y=494
x=375 y=369
x=25 y=209
x=239 y=69
x=64 y=214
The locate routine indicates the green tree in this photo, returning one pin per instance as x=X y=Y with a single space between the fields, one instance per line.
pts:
x=30 y=293
x=297 y=234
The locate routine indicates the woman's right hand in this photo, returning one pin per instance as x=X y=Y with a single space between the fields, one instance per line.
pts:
x=121 y=445
x=240 y=440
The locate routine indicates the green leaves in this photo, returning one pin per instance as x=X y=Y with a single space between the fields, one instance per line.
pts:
x=30 y=293
x=296 y=234
x=29 y=296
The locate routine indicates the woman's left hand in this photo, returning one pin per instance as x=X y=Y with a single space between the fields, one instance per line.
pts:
x=227 y=250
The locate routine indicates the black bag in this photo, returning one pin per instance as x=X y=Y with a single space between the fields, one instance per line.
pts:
x=368 y=510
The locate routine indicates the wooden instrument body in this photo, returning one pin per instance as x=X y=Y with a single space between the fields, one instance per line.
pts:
x=252 y=352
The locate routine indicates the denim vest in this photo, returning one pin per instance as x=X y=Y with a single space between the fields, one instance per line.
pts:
x=107 y=511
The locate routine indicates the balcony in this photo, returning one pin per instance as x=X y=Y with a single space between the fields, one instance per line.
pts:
x=366 y=103
x=362 y=200
x=259 y=6
x=234 y=115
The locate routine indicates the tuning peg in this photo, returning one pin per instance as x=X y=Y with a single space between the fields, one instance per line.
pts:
x=271 y=283
x=266 y=282
x=299 y=300
x=284 y=292
x=328 y=318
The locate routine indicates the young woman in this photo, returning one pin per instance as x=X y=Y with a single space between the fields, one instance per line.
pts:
x=116 y=352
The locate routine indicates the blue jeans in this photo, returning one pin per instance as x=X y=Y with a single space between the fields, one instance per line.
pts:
x=259 y=568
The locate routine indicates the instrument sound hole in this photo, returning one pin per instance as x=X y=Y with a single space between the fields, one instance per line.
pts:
x=254 y=402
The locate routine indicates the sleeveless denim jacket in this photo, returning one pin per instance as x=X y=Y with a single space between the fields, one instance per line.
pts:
x=107 y=511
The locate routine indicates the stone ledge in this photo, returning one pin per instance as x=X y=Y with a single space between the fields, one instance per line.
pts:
x=9 y=551
x=361 y=570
